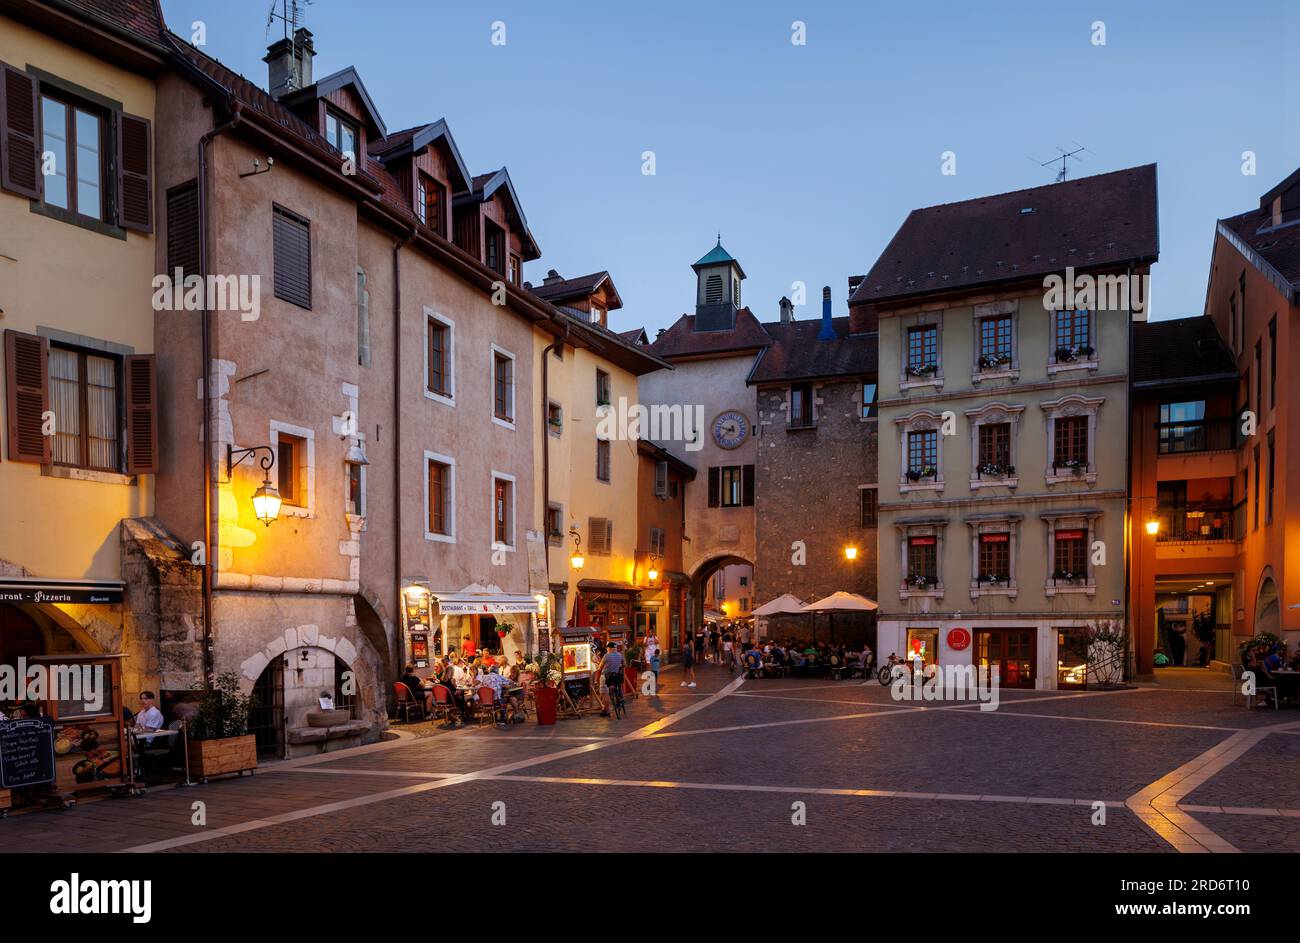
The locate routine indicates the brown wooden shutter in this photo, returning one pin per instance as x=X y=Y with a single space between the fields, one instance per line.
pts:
x=19 y=129
x=27 y=395
x=292 y=249
x=183 y=229
x=715 y=485
x=134 y=193
x=141 y=414
x=747 y=486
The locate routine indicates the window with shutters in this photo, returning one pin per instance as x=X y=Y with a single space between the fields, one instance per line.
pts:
x=75 y=139
x=503 y=387
x=661 y=479
x=439 y=498
x=600 y=536
x=183 y=231
x=732 y=485
x=713 y=289
x=85 y=400
x=503 y=511
x=602 y=460
x=292 y=250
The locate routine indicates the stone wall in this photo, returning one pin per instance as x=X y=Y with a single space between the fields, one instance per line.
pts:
x=808 y=489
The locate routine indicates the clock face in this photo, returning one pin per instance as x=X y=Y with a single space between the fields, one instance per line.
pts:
x=730 y=429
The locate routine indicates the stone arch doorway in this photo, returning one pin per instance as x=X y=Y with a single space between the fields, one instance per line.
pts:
x=28 y=629
x=700 y=576
x=1268 y=607
x=290 y=686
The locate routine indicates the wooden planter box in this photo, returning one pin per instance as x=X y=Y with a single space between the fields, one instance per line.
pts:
x=213 y=757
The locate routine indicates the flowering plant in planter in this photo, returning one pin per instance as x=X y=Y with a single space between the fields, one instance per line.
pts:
x=1068 y=576
x=1075 y=465
x=916 y=474
x=921 y=580
x=923 y=370
x=993 y=361
x=994 y=578
x=996 y=470
x=547 y=669
x=1071 y=354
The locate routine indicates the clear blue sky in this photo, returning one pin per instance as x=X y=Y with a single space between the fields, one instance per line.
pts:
x=807 y=158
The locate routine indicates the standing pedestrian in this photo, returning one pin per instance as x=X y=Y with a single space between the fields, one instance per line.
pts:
x=699 y=644
x=652 y=657
x=728 y=651
x=689 y=651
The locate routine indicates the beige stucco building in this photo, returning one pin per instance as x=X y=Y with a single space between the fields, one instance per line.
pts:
x=1003 y=424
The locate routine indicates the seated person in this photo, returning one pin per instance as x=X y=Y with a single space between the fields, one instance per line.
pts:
x=148 y=717
x=416 y=686
x=491 y=678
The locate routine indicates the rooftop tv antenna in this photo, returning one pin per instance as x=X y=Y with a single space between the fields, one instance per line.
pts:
x=1064 y=158
x=289 y=12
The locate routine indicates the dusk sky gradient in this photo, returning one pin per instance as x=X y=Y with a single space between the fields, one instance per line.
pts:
x=807 y=158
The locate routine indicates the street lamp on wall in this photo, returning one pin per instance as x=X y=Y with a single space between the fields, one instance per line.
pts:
x=850 y=553
x=576 y=559
x=1153 y=526
x=266 y=499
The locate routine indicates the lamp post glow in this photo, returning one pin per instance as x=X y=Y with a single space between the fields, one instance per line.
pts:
x=850 y=553
x=576 y=559
x=1153 y=526
x=266 y=499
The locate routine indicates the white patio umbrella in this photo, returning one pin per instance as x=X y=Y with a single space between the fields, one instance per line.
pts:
x=785 y=603
x=839 y=602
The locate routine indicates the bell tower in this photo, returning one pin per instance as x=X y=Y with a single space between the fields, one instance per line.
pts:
x=717 y=290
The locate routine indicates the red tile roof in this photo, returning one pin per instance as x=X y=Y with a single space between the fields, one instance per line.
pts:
x=1107 y=219
x=682 y=340
x=568 y=288
x=797 y=354
x=142 y=18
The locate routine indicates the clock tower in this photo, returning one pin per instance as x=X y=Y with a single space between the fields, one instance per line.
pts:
x=717 y=290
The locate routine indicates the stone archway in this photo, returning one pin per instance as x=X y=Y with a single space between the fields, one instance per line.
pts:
x=700 y=577
x=1268 y=607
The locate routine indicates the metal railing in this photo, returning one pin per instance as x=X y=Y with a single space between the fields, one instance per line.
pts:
x=1197 y=435
x=1196 y=523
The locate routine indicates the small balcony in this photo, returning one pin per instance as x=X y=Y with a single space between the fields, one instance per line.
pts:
x=1197 y=435
x=1197 y=523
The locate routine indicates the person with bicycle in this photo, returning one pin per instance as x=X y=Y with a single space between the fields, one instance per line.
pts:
x=610 y=671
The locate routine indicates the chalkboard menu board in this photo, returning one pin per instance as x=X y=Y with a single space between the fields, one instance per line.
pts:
x=26 y=752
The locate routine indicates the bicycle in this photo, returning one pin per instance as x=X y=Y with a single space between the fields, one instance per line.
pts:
x=615 y=684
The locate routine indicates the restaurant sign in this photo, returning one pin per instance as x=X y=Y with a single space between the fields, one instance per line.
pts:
x=453 y=607
x=22 y=591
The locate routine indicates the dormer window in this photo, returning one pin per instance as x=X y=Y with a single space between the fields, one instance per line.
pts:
x=597 y=315
x=342 y=134
x=513 y=271
x=429 y=202
x=494 y=247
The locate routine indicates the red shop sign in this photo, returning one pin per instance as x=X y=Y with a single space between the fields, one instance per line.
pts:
x=922 y=541
x=958 y=639
x=995 y=538
x=1069 y=535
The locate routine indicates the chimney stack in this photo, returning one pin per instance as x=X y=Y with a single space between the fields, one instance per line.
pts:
x=787 y=310
x=288 y=63
x=552 y=276
x=827 y=333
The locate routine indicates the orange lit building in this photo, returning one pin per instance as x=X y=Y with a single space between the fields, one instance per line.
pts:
x=1183 y=449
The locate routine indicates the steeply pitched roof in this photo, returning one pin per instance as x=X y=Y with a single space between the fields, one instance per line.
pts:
x=634 y=336
x=1275 y=250
x=1179 y=351
x=412 y=141
x=682 y=340
x=613 y=346
x=343 y=78
x=579 y=287
x=1106 y=219
x=483 y=186
x=797 y=354
x=142 y=18
x=717 y=256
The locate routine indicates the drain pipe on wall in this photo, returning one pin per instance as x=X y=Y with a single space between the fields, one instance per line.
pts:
x=399 y=652
x=546 y=463
x=209 y=544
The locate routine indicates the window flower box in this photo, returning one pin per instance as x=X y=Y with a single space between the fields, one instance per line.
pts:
x=1073 y=354
x=1075 y=466
x=1069 y=578
x=994 y=579
x=918 y=474
x=995 y=361
x=996 y=470
x=923 y=370
x=920 y=581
